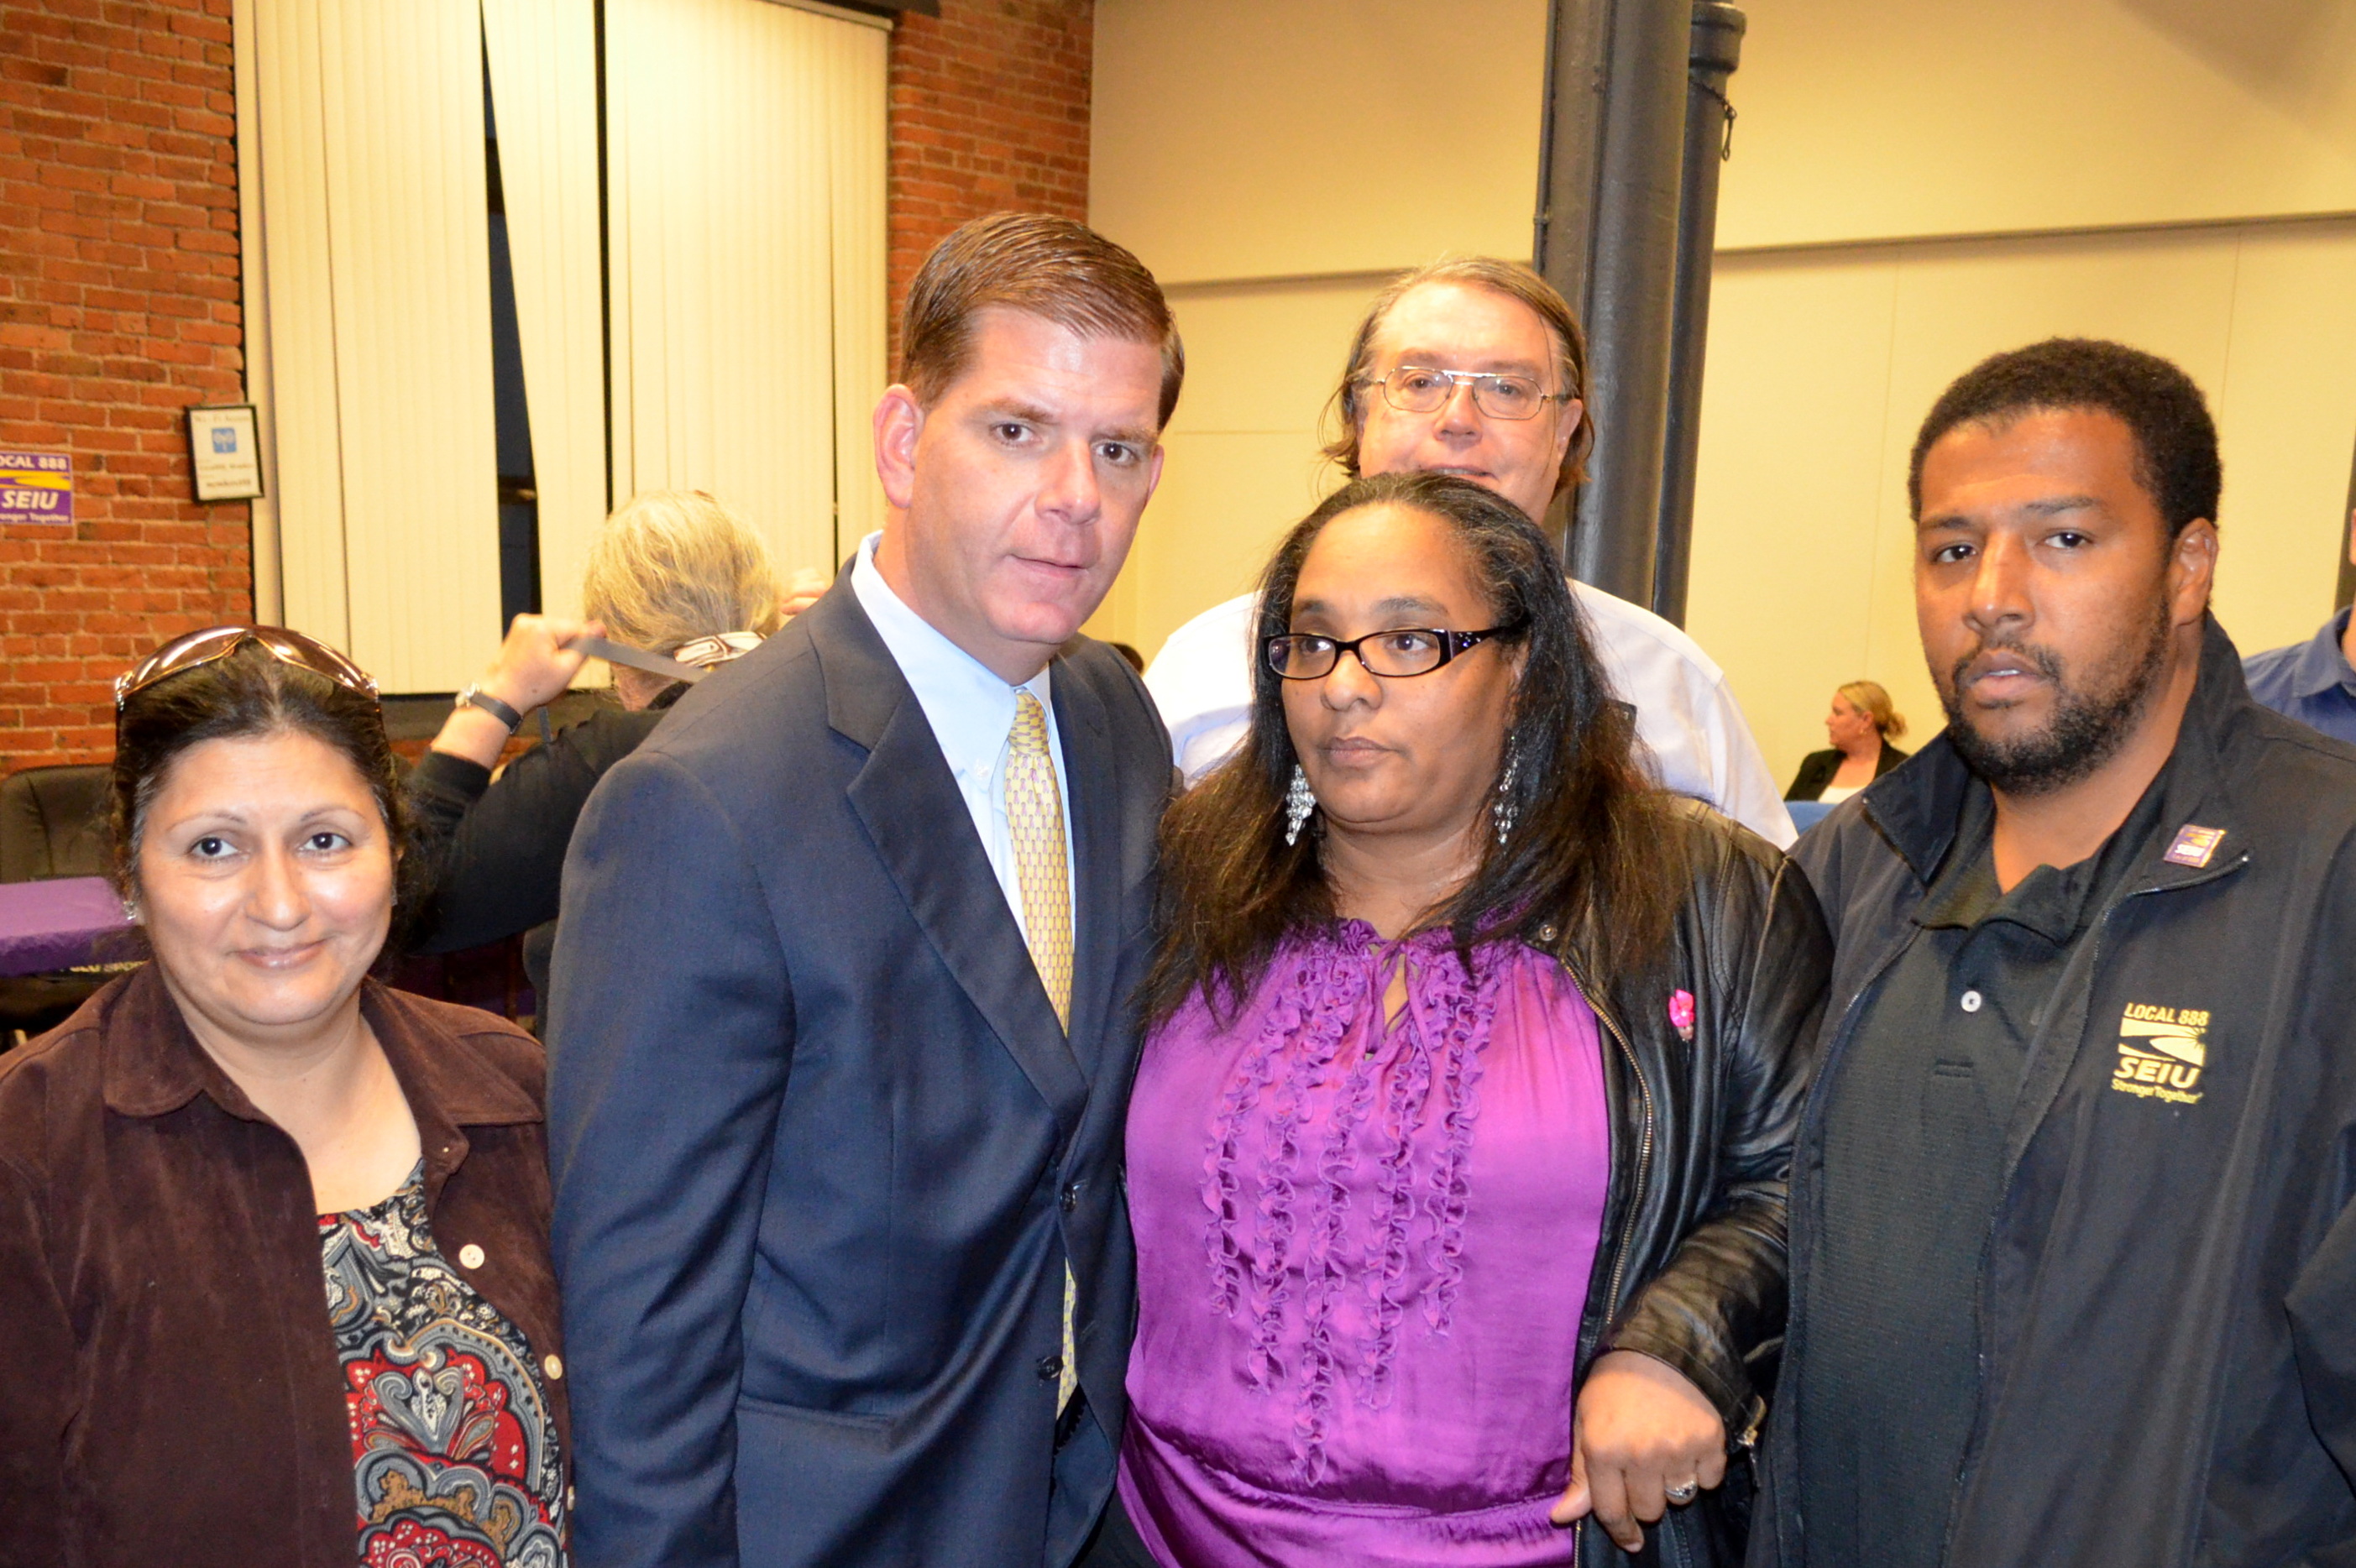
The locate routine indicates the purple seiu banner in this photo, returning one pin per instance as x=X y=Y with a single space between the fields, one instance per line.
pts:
x=36 y=487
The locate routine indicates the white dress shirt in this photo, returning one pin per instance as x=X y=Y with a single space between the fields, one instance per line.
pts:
x=972 y=712
x=1686 y=719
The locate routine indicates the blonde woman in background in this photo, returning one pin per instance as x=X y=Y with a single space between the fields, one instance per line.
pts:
x=671 y=572
x=1860 y=726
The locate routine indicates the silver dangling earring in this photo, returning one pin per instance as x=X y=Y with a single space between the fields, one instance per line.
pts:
x=1298 y=802
x=1502 y=806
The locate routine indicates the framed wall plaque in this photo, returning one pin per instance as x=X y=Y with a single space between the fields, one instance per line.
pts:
x=225 y=453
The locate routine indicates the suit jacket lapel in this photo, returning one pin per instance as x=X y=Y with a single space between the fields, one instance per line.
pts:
x=1093 y=783
x=917 y=822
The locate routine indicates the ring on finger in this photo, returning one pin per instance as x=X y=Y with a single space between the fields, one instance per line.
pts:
x=1684 y=1492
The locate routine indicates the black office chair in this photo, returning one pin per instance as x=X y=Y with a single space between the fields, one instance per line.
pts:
x=52 y=824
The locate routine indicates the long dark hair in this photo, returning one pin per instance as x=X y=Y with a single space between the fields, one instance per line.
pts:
x=1590 y=857
x=249 y=693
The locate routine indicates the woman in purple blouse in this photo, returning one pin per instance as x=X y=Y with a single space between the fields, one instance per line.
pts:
x=1457 y=1155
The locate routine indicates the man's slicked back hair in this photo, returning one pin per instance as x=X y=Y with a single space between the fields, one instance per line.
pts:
x=1052 y=268
x=1511 y=279
x=2176 y=440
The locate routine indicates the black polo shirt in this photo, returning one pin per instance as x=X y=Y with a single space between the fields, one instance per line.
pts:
x=1915 y=1118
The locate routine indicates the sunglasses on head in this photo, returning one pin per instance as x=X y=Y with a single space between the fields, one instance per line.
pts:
x=186 y=653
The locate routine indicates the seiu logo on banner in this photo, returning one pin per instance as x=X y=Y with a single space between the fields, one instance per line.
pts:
x=36 y=487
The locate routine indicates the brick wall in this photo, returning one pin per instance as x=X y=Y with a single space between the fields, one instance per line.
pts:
x=118 y=307
x=989 y=112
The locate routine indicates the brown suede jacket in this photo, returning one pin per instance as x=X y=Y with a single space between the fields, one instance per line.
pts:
x=169 y=1391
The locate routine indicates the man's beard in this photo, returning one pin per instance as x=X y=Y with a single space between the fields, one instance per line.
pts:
x=2085 y=730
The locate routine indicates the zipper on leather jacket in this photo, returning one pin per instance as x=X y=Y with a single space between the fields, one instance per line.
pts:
x=1635 y=1200
x=1644 y=1162
x=1644 y=1143
x=1749 y=1436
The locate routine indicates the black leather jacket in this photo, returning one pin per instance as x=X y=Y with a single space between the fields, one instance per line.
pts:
x=1691 y=1266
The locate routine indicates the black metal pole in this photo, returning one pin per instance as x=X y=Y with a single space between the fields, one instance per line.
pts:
x=1716 y=50
x=1615 y=104
x=1564 y=241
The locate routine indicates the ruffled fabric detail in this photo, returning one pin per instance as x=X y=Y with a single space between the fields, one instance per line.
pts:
x=1303 y=1029
x=1326 y=992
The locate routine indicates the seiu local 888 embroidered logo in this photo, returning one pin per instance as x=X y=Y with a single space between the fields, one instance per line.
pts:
x=2162 y=1052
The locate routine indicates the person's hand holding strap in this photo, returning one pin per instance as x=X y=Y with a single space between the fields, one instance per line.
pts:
x=532 y=669
x=1643 y=1437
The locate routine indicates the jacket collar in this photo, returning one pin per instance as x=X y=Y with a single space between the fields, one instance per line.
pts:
x=901 y=793
x=1917 y=805
x=864 y=689
x=153 y=1065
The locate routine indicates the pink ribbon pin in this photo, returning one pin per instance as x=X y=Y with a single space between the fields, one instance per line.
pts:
x=1681 y=1013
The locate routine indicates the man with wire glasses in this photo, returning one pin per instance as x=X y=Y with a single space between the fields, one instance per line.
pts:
x=1477 y=368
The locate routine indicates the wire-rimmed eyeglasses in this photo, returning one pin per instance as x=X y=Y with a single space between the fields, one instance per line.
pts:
x=1401 y=651
x=1421 y=390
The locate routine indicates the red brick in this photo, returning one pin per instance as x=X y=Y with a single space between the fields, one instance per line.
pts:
x=119 y=304
x=988 y=108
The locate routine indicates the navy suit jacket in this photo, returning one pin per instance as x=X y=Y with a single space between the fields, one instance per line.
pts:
x=820 y=1150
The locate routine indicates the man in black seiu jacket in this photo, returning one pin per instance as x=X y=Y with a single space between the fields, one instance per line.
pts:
x=2073 y=1268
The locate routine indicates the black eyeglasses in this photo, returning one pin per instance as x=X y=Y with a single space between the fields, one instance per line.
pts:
x=1402 y=651
x=1420 y=390
x=184 y=653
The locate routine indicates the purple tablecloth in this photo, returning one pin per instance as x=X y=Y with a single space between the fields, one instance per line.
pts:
x=58 y=924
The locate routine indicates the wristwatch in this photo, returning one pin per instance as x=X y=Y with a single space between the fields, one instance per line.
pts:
x=475 y=697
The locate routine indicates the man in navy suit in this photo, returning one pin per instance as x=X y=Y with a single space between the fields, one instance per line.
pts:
x=839 y=1036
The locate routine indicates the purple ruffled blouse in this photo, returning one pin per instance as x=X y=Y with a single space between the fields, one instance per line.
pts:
x=1362 y=1252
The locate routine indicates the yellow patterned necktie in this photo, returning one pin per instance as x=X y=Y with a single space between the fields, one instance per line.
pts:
x=1034 y=822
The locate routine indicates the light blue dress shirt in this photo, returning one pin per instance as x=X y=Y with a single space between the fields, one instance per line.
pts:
x=972 y=712
x=2309 y=681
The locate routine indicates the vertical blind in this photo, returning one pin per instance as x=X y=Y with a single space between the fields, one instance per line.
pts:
x=543 y=60
x=855 y=119
x=377 y=252
x=744 y=179
x=722 y=328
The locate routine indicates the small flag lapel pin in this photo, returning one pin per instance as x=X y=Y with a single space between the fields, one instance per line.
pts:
x=2194 y=846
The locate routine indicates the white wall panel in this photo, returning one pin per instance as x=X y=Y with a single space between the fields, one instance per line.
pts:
x=544 y=62
x=1880 y=119
x=1303 y=138
x=375 y=231
x=723 y=254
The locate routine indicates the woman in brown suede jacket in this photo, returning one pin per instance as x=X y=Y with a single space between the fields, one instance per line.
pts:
x=274 y=1286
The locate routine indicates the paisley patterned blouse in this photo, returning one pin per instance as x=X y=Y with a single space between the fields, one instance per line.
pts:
x=454 y=1445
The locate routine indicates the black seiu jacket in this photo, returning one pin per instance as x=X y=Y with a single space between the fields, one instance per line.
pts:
x=2168 y=1294
x=1690 y=1269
